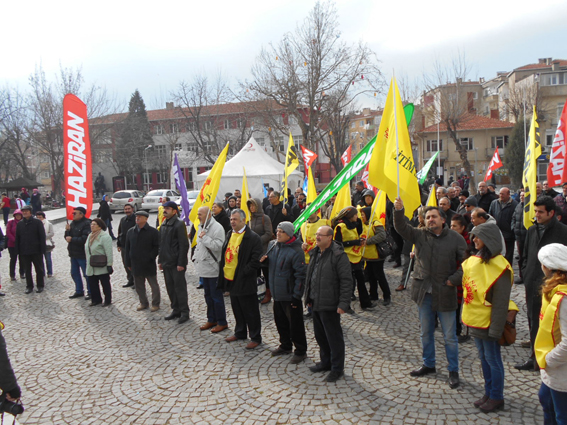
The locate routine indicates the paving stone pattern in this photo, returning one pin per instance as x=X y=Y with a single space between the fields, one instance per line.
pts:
x=91 y=365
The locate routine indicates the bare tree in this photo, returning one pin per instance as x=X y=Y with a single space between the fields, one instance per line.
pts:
x=311 y=73
x=336 y=116
x=211 y=117
x=452 y=105
x=45 y=103
x=521 y=98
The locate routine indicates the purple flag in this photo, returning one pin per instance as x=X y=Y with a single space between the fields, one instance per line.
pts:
x=180 y=184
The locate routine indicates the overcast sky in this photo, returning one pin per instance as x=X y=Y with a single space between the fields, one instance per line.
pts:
x=125 y=45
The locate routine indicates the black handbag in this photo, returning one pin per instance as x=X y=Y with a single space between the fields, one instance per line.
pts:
x=97 y=260
x=387 y=247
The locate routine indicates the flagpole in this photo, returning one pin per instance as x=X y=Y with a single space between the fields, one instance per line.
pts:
x=371 y=218
x=397 y=141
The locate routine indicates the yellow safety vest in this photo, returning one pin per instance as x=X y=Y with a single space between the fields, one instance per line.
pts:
x=354 y=253
x=308 y=231
x=478 y=278
x=231 y=255
x=160 y=217
x=369 y=251
x=549 y=333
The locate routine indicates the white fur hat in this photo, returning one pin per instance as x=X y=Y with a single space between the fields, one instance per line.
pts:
x=553 y=256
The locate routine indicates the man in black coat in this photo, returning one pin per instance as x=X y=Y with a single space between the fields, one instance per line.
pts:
x=30 y=247
x=141 y=250
x=238 y=271
x=126 y=223
x=266 y=200
x=546 y=230
x=484 y=197
x=105 y=214
x=502 y=209
x=357 y=196
x=278 y=211
x=76 y=235
x=173 y=250
x=328 y=287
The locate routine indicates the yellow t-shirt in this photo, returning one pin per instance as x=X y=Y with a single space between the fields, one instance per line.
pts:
x=231 y=255
x=308 y=231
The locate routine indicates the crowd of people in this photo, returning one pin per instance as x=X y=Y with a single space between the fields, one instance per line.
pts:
x=459 y=255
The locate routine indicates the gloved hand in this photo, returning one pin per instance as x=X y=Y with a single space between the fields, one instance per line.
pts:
x=110 y=269
x=15 y=393
x=295 y=303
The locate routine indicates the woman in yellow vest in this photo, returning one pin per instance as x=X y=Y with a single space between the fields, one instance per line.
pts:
x=348 y=232
x=487 y=283
x=551 y=341
x=374 y=270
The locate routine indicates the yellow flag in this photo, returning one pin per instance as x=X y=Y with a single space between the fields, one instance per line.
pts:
x=291 y=163
x=432 y=198
x=311 y=190
x=379 y=207
x=342 y=201
x=244 y=197
x=391 y=167
x=529 y=178
x=209 y=190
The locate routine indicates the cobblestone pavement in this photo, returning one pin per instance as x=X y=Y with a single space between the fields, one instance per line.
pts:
x=90 y=365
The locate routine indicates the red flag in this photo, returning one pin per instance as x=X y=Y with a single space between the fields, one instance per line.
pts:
x=346 y=156
x=308 y=157
x=77 y=156
x=556 y=170
x=494 y=165
x=364 y=180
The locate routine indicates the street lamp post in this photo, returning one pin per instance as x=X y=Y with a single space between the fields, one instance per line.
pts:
x=146 y=161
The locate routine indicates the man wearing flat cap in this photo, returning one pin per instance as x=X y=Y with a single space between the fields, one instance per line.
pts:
x=173 y=249
x=76 y=234
x=140 y=252
x=286 y=263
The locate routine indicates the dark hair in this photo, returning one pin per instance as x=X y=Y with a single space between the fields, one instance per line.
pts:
x=484 y=254
x=165 y=199
x=545 y=201
x=41 y=213
x=100 y=223
x=465 y=192
x=439 y=210
x=458 y=217
x=128 y=205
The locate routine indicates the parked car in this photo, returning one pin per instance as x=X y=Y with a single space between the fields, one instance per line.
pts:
x=154 y=198
x=192 y=197
x=123 y=197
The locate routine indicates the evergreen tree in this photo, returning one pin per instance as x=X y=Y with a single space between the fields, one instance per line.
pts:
x=514 y=157
x=135 y=136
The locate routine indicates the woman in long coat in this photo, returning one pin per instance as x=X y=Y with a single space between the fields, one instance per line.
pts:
x=99 y=243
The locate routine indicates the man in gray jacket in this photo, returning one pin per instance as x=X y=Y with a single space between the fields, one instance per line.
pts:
x=439 y=252
x=286 y=262
x=210 y=238
x=328 y=288
x=173 y=249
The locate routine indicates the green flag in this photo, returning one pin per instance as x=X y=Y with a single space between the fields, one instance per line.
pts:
x=422 y=174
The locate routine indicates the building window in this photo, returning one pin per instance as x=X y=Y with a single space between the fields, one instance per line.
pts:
x=432 y=145
x=179 y=147
x=353 y=124
x=226 y=124
x=147 y=179
x=45 y=175
x=208 y=125
x=241 y=122
x=499 y=141
x=191 y=126
x=192 y=147
x=161 y=177
x=174 y=128
x=260 y=141
x=159 y=129
x=161 y=151
x=467 y=142
x=292 y=120
x=554 y=79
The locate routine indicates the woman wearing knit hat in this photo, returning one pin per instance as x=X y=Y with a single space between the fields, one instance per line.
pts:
x=348 y=231
x=551 y=341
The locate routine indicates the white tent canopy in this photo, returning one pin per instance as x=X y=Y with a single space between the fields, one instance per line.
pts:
x=261 y=168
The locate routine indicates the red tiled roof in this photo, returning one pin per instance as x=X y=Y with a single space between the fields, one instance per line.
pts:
x=561 y=62
x=472 y=122
x=178 y=113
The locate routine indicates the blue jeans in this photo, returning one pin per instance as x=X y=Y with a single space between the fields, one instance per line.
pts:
x=554 y=405
x=48 y=263
x=448 y=324
x=78 y=264
x=492 y=368
x=214 y=298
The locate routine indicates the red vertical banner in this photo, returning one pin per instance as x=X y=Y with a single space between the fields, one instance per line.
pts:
x=77 y=156
x=557 y=169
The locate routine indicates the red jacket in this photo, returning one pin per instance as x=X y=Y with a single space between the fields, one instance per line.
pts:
x=11 y=232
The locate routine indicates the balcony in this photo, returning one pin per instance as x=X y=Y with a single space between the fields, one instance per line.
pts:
x=490 y=152
x=442 y=155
